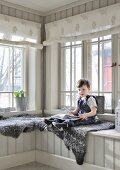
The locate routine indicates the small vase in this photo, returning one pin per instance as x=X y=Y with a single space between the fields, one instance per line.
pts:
x=21 y=103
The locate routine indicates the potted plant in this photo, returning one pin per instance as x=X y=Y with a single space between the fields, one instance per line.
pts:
x=21 y=100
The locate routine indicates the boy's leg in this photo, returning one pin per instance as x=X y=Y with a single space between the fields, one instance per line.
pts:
x=49 y=121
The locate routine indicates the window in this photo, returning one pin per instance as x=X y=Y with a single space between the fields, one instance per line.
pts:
x=71 y=71
x=100 y=70
x=11 y=73
x=98 y=64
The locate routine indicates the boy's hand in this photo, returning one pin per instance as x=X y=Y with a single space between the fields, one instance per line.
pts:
x=83 y=116
x=71 y=113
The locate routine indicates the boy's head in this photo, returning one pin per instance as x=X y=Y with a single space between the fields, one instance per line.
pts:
x=83 y=87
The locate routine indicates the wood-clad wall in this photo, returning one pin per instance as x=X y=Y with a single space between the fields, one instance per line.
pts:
x=25 y=142
x=22 y=14
x=88 y=6
x=102 y=151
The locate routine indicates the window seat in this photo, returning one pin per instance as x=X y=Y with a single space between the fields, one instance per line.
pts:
x=103 y=151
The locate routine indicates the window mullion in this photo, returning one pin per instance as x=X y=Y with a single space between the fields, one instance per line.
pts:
x=98 y=66
x=71 y=75
x=12 y=48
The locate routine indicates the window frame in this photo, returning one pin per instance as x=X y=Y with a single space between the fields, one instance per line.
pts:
x=85 y=72
x=12 y=107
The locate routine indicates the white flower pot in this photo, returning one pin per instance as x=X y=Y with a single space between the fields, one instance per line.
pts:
x=21 y=103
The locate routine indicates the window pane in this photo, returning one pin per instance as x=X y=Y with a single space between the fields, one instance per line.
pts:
x=108 y=100
x=74 y=99
x=107 y=67
x=65 y=99
x=5 y=69
x=76 y=66
x=11 y=73
x=94 y=67
x=67 y=69
x=18 y=54
x=5 y=100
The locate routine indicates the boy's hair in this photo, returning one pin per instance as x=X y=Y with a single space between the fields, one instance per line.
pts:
x=82 y=82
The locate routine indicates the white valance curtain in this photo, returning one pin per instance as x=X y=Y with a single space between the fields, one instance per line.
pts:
x=20 y=32
x=102 y=21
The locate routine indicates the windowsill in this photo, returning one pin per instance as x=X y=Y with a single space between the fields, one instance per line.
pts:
x=13 y=113
x=111 y=133
x=105 y=116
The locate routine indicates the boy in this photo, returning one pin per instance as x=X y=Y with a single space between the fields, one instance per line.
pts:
x=85 y=111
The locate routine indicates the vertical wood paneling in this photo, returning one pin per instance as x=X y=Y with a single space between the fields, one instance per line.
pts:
x=53 y=17
x=33 y=140
x=111 y=2
x=3 y=145
x=89 y=6
x=26 y=141
x=99 y=151
x=19 y=144
x=48 y=19
x=37 y=18
x=76 y=10
x=65 y=152
x=95 y=4
x=11 y=146
x=12 y=12
x=82 y=8
x=4 y=10
x=0 y=9
x=57 y=16
x=103 y=3
x=69 y=12
x=51 y=142
x=117 y=155
x=44 y=141
x=18 y=13
x=57 y=146
x=109 y=154
x=89 y=158
x=31 y=17
x=25 y=15
x=38 y=139
x=63 y=14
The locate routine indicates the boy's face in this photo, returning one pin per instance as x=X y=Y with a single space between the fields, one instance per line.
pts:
x=83 y=91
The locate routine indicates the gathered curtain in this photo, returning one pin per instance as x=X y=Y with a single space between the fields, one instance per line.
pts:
x=100 y=22
x=16 y=31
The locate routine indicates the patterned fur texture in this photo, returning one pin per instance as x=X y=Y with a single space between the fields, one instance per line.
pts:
x=74 y=137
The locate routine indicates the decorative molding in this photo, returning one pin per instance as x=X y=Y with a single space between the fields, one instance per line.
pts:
x=17 y=159
x=63 y=162
x=71 y=5
x=19 y=7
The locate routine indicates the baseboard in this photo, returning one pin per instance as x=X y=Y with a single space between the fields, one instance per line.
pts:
x=17 y=159
x=63 y=163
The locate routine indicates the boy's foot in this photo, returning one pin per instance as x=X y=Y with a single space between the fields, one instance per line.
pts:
x=60 y=126
x=48 y=122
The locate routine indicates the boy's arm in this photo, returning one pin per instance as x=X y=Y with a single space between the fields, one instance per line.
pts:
x=74 y=112
x=89 y=114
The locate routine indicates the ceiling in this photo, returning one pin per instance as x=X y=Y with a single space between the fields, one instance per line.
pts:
x=42 y=5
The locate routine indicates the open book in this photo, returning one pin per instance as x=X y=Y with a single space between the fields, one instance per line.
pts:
x=68 y=111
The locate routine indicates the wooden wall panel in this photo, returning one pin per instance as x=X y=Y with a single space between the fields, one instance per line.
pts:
x=58 y=145
x=51 y=142
x=99 y=151
x=109 y=153
x=19 y=144
x=44 y=141
x=3 y=145
x=11 y=146
x=117 y=154
x=89 y=158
